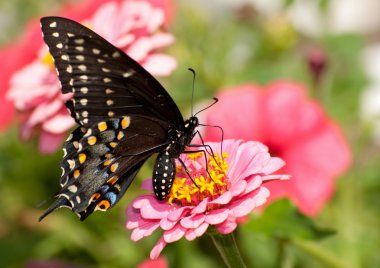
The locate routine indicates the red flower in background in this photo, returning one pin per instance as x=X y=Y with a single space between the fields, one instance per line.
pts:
x=295 y=128
x=160 y=262
x=133 y=26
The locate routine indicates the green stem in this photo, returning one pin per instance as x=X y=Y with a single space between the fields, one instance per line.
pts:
x=227 y=248
x=325 y=257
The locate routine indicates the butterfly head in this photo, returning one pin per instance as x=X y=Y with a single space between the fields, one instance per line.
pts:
x=190 y=126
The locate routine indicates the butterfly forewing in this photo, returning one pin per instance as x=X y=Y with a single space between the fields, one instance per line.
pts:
x=105 y=81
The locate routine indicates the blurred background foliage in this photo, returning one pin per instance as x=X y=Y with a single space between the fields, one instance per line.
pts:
x=227 y=44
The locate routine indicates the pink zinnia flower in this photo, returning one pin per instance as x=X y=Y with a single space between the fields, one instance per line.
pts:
x=295 y=128
x=133 y=26
x=160 y=262
x=234 y=189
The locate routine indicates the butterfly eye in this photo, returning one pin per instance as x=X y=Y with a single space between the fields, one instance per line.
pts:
x=103 y=205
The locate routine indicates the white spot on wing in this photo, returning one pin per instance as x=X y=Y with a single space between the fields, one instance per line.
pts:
x=84 y=90
x=53 y=24
x=72 y=188
x=127 y=74
x=80 y=57
x=69 y=69
x=116 y=54
x=79 y=41
x=83 y=102
x=83 y=78
x=82 y=67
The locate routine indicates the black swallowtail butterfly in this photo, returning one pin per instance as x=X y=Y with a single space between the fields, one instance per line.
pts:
x=124 y=116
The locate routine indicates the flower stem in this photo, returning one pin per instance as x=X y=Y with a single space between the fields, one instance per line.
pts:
x=313 y=249
x=227 y=248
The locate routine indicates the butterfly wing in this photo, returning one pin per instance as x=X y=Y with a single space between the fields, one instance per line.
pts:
x=100 y=162
x=123 y=112
x=105 y=82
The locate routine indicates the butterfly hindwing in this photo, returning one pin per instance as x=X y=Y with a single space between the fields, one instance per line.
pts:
x=101 y=162
x=105 y=81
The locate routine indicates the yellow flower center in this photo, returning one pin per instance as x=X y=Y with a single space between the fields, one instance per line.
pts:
x=203 y=182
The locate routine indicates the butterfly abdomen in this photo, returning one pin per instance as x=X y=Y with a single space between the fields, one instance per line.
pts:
x=163 y=175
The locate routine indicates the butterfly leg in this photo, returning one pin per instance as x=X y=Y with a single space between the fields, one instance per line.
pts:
x=187 y=171
x=197 y=151
x=221 y=130
x=206 y=146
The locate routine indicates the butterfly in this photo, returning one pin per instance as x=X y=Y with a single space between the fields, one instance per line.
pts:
x=124 y=116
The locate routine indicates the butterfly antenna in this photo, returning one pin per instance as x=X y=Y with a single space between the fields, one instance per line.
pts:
x=212 y=104
x=192 y=92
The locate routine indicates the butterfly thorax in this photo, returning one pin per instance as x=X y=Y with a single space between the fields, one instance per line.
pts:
x=180 y=139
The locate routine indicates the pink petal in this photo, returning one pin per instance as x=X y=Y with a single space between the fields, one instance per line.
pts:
x=272 y=165
x=201 y=229
x=276 y=177
x=166 y=224
x=228 y=226
x=157 y=249
x=192 y=221
x=44 y=110
x=133 y=218
x=174 y=234
x=151 y=208
x=222 y=199
x=140 y=48
x=49 y=142
x=201 y=207
x=160 y=64
x=159 y=40
x=248 y=202
x=217 y=216
x=178 y=213
x=253 y=183
x=59 y=123
x=238 y=187
x=143 y=230
x=156 y=19
x=191 y=234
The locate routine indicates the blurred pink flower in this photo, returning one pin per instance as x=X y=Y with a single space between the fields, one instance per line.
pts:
x=134 y=26
x=295 y=129
x=160 y=262
x=233 y=191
